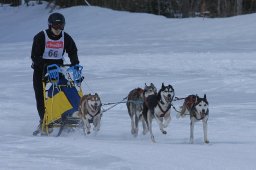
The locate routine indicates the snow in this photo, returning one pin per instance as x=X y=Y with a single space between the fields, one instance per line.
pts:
x=121 y=51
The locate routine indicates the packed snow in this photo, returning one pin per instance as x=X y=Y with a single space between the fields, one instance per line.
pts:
x=121 y=51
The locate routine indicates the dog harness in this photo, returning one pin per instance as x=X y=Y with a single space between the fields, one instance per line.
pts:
x=53 y=48
x=164 y=112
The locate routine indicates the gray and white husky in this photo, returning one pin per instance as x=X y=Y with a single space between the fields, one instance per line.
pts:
x=158 y=106
x=149 y=90
x=198 y=109
x=135 y=105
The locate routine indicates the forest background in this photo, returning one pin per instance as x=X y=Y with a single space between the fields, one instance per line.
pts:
x=167 y=8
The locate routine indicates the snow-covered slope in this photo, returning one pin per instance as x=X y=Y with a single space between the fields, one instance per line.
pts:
x=121 y=51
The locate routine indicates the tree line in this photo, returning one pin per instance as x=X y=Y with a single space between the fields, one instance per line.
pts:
x=168 y=8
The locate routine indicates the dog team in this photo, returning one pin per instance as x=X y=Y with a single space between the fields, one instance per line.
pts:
x=146 y=105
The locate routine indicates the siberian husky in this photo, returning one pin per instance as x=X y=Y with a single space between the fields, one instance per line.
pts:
x=158 y=106
x=89 y=111
x=134 y=105
x=198 y=110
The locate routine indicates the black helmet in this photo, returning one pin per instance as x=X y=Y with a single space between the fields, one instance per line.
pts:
x=56 y=21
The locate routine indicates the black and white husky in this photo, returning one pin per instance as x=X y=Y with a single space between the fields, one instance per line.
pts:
x=158 y=106
x=197 y=108
x=134 y=105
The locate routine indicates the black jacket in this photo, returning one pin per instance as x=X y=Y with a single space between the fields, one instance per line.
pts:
x=39 y=46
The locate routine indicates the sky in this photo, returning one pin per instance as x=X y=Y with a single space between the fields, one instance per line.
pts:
x=121 y=51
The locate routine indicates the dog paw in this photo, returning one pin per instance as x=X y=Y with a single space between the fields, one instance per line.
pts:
x=96 y=129
x=207 y=141
x=164 y=132
x=153 y=139
x=145 y=132
x=135 y=135
x=132 y=131
x=88 y=133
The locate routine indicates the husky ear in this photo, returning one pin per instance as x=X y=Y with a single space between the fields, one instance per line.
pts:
x=205 y=98
x=96 y=94
x=162 y=85
x=197 y=97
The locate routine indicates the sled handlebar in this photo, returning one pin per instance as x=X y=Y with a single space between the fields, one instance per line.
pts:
x=63 y=65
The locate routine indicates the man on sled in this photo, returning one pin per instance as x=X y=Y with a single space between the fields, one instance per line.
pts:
x=48 y=48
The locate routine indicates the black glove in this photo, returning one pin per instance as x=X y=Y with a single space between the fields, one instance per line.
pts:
x=32 y=65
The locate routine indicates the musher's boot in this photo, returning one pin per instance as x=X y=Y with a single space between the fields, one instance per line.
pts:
x=39 y=130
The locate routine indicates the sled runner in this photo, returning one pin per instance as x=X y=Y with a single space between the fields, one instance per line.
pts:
x=62 y=93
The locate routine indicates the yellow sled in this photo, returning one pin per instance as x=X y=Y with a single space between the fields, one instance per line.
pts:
x=61 y=98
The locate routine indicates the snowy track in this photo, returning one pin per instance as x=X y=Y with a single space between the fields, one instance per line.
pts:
x=211 y=56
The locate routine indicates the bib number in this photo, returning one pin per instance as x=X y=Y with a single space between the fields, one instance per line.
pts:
x=53 y=53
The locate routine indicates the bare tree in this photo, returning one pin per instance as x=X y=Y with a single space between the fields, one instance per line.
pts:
x=239 y=7
x=168 y=8
x=158 y=6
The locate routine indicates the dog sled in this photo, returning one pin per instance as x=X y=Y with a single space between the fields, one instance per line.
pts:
x=62 y=94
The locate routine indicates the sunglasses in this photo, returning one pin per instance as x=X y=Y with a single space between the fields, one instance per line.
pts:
x=58 y=26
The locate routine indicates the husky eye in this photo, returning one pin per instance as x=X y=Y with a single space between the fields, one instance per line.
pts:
x=204 y=104
x=200 y=105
